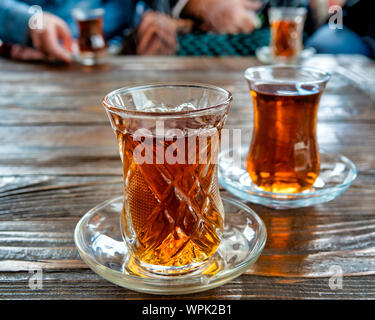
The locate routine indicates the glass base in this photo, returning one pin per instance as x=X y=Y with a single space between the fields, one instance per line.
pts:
x=91 y=59
x=264 y=55
x=99 y=242
x=336 y=175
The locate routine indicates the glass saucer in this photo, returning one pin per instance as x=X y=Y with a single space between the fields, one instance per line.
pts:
x=264 y=54
x=99 y=242
x=90 y=59
x=336 y=175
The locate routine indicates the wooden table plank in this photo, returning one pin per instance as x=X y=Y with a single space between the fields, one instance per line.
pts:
x=73 y=94
x=83 y=284
x=91 y=149
x=331 y=234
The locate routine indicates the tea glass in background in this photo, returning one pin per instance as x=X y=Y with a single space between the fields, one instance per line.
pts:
x=286 y=33
x=284 y=155
x=172 y=217
x=91 y=40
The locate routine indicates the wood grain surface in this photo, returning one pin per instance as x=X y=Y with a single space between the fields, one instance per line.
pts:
x=58 y=159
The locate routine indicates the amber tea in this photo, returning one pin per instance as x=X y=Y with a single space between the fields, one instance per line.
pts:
x=91 y=37
x=286 y=32
x=285 y=39
x=175 y=209
x=284 y=153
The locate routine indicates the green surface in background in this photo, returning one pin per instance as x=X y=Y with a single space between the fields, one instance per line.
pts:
x=209 y=44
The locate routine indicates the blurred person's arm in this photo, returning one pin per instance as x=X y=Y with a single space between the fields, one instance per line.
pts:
x=222 y=16
x=14 y=21
x=53 y=39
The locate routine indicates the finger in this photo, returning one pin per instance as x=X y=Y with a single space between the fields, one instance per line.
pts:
x=226 y=24
x=145 y=39
x=14 y=51
x=167 y=47
x=52 y=46
x=36 y=39
x=184 y=25
x=63 y=34
x=155 y=46
x=171 y=49
x=169 y=37
x=230 y=27
x=148 y=19
x=159 y=20
x=145 y=24
x=164 y=28
x=31 y=54
x=22 y=53
x=167 y=40
x=246 y=24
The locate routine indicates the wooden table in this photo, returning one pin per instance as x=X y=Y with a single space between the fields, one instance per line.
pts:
x=58 y=159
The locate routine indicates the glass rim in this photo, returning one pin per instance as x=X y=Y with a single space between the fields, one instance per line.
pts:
x=301 y=10
x=87 y=13
x=324 y=75
x=118 y=109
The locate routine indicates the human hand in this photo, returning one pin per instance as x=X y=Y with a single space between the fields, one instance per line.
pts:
x=223 y=16
x=18 y=52
x=54 y=40
x=157 y=34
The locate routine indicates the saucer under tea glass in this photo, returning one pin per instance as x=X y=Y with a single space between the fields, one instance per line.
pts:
x=283 y=167
x=178 y=234
x=100 y=244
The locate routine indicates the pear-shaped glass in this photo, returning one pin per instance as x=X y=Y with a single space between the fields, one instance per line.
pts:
x=284 y=154
x=169 y=136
